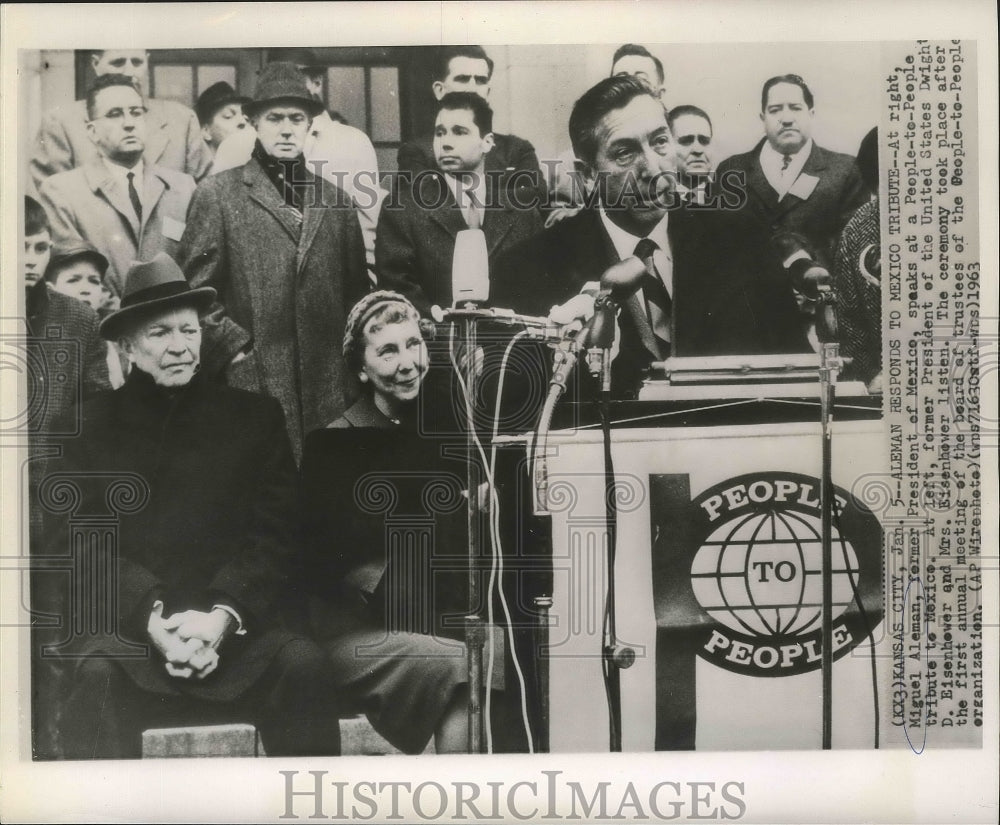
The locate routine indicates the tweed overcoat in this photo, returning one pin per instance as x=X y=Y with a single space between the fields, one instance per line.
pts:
x=286 y=283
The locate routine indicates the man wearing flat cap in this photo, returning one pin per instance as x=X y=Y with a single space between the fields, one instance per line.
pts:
x=205 y=547
x=283 y=249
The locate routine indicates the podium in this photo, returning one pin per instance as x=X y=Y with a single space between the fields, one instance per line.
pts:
x=718 y=574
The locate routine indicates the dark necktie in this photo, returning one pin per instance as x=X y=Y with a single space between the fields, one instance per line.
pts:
x=133 y=196
x=786 y=161
x=656 y=294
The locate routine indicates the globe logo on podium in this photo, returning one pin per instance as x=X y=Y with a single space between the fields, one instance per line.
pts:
x=761 y=574
x=752 y=566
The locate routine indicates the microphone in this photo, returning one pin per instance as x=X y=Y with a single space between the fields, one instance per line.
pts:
x=623 y=279
x=809 y=278
x=619 y=282
x=470 y=269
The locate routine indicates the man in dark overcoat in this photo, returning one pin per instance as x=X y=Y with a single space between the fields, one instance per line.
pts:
x=203 y=484
x=283 y=248
x=791 y=183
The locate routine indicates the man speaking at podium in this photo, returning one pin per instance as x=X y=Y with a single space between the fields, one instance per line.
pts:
x=712 y=285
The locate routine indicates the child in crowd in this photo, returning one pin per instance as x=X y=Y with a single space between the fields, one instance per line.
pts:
x=37 y=241
x=76 y=269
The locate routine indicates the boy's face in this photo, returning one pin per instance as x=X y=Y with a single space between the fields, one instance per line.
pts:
x=80 y=280
x=224 y=122
x=458 y=145
x=37 y=249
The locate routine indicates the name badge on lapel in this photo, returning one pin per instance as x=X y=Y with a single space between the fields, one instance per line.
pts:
x=803 y=186
x=173 y=229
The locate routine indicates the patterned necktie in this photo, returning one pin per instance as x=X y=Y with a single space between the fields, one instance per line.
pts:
x=133 y=196
x=659 y=306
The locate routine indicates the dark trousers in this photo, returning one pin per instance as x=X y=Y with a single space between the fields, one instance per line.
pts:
x=293 y=705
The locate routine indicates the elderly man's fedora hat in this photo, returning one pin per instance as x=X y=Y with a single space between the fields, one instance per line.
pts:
x=214 y=98
x=151 y=287
x=281 y=83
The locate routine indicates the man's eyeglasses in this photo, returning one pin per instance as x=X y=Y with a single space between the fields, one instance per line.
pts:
x=134 y=112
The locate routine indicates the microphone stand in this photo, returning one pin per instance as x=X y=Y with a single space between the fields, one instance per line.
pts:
x=614 y=658
x=830 y=365
x=475 y=626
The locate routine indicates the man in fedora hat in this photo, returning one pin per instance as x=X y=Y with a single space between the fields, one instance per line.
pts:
x=202 y=567
x=220 y=113
x=335 y=150
x=283 y=248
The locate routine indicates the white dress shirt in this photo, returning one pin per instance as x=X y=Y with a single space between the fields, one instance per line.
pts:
x=120 y=175
x=625 y=243
x=772 y=160
x=469 y=191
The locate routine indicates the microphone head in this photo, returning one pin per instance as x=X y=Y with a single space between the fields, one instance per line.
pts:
x=624 y=278
x=470 y=269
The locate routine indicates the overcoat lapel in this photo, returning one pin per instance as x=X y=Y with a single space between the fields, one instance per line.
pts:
x=104 y=185
x=262 y=192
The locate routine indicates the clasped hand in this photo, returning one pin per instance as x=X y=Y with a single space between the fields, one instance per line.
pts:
x=189 y=640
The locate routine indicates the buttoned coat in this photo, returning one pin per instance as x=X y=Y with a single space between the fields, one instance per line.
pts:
x=285 y=282
x=173 y=140
x=822 y=215
x=91 y=204
x=206 y=501
x=415 y=246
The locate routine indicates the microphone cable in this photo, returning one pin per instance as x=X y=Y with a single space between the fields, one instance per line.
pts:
x=496 y=545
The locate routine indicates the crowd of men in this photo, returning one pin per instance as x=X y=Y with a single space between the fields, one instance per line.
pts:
x=272 y=209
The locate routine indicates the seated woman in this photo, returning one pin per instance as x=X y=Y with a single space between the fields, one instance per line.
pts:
x=203 y=484
x=378 y=550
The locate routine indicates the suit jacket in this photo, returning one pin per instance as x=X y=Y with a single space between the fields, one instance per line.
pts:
x=729 y=294
x=90 y=203
x=173 y=140
x=285 y=282
x=416 y=239
x=509 y=153
x=214 y=518
x=822 y=215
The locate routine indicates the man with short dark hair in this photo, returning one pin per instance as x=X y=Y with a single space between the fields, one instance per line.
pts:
x=692 y=131
x=699 y=296
x=566 y=189
x=469 y=69
x=173 y=141
x=633 y=59
x=793 y=184
x=416 y=238
x=283 y=249
x=121 y=202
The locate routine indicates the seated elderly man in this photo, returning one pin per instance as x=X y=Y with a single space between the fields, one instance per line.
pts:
x=200 y=585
